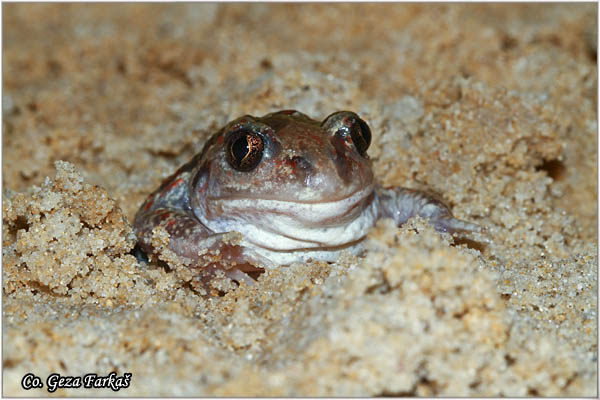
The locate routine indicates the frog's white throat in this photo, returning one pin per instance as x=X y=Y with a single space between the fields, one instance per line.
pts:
x=289 y=231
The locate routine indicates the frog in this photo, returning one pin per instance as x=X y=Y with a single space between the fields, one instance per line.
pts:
x=270 y=191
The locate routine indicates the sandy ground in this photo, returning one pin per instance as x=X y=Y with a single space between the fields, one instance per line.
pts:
x=492 y=105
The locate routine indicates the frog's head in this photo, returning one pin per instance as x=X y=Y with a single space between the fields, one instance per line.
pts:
x=288 y=156
x=287 y=167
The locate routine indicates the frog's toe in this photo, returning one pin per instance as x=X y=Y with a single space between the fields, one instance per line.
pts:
x=239 y=276
x=457 y=226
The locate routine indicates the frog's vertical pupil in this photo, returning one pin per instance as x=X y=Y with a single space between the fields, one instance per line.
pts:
x=366 y=131
x=361 y=135
x=240 y=148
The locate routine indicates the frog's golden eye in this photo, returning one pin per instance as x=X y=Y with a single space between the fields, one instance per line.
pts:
x=244 y=149
x=347 y=123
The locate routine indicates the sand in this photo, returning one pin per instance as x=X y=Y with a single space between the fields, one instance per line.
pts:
x=494 y=106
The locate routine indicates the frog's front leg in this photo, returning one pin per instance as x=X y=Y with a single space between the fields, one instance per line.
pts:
x=400 y=204
x=198 y=246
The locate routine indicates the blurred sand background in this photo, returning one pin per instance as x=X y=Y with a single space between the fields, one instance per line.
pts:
x=492 y=105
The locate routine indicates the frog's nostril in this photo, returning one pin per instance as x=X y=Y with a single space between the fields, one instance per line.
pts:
x=302 y=167
x=301 y=162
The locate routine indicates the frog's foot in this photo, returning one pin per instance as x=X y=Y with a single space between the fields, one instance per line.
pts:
x=401 y=204
x=222 y=256
x=216 y=280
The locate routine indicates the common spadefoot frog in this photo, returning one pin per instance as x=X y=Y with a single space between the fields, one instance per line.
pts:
x=294 y=188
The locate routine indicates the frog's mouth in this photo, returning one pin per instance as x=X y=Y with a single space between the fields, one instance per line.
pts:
x=284 y=225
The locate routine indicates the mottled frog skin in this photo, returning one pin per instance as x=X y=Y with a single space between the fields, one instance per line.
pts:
x=293 y=187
